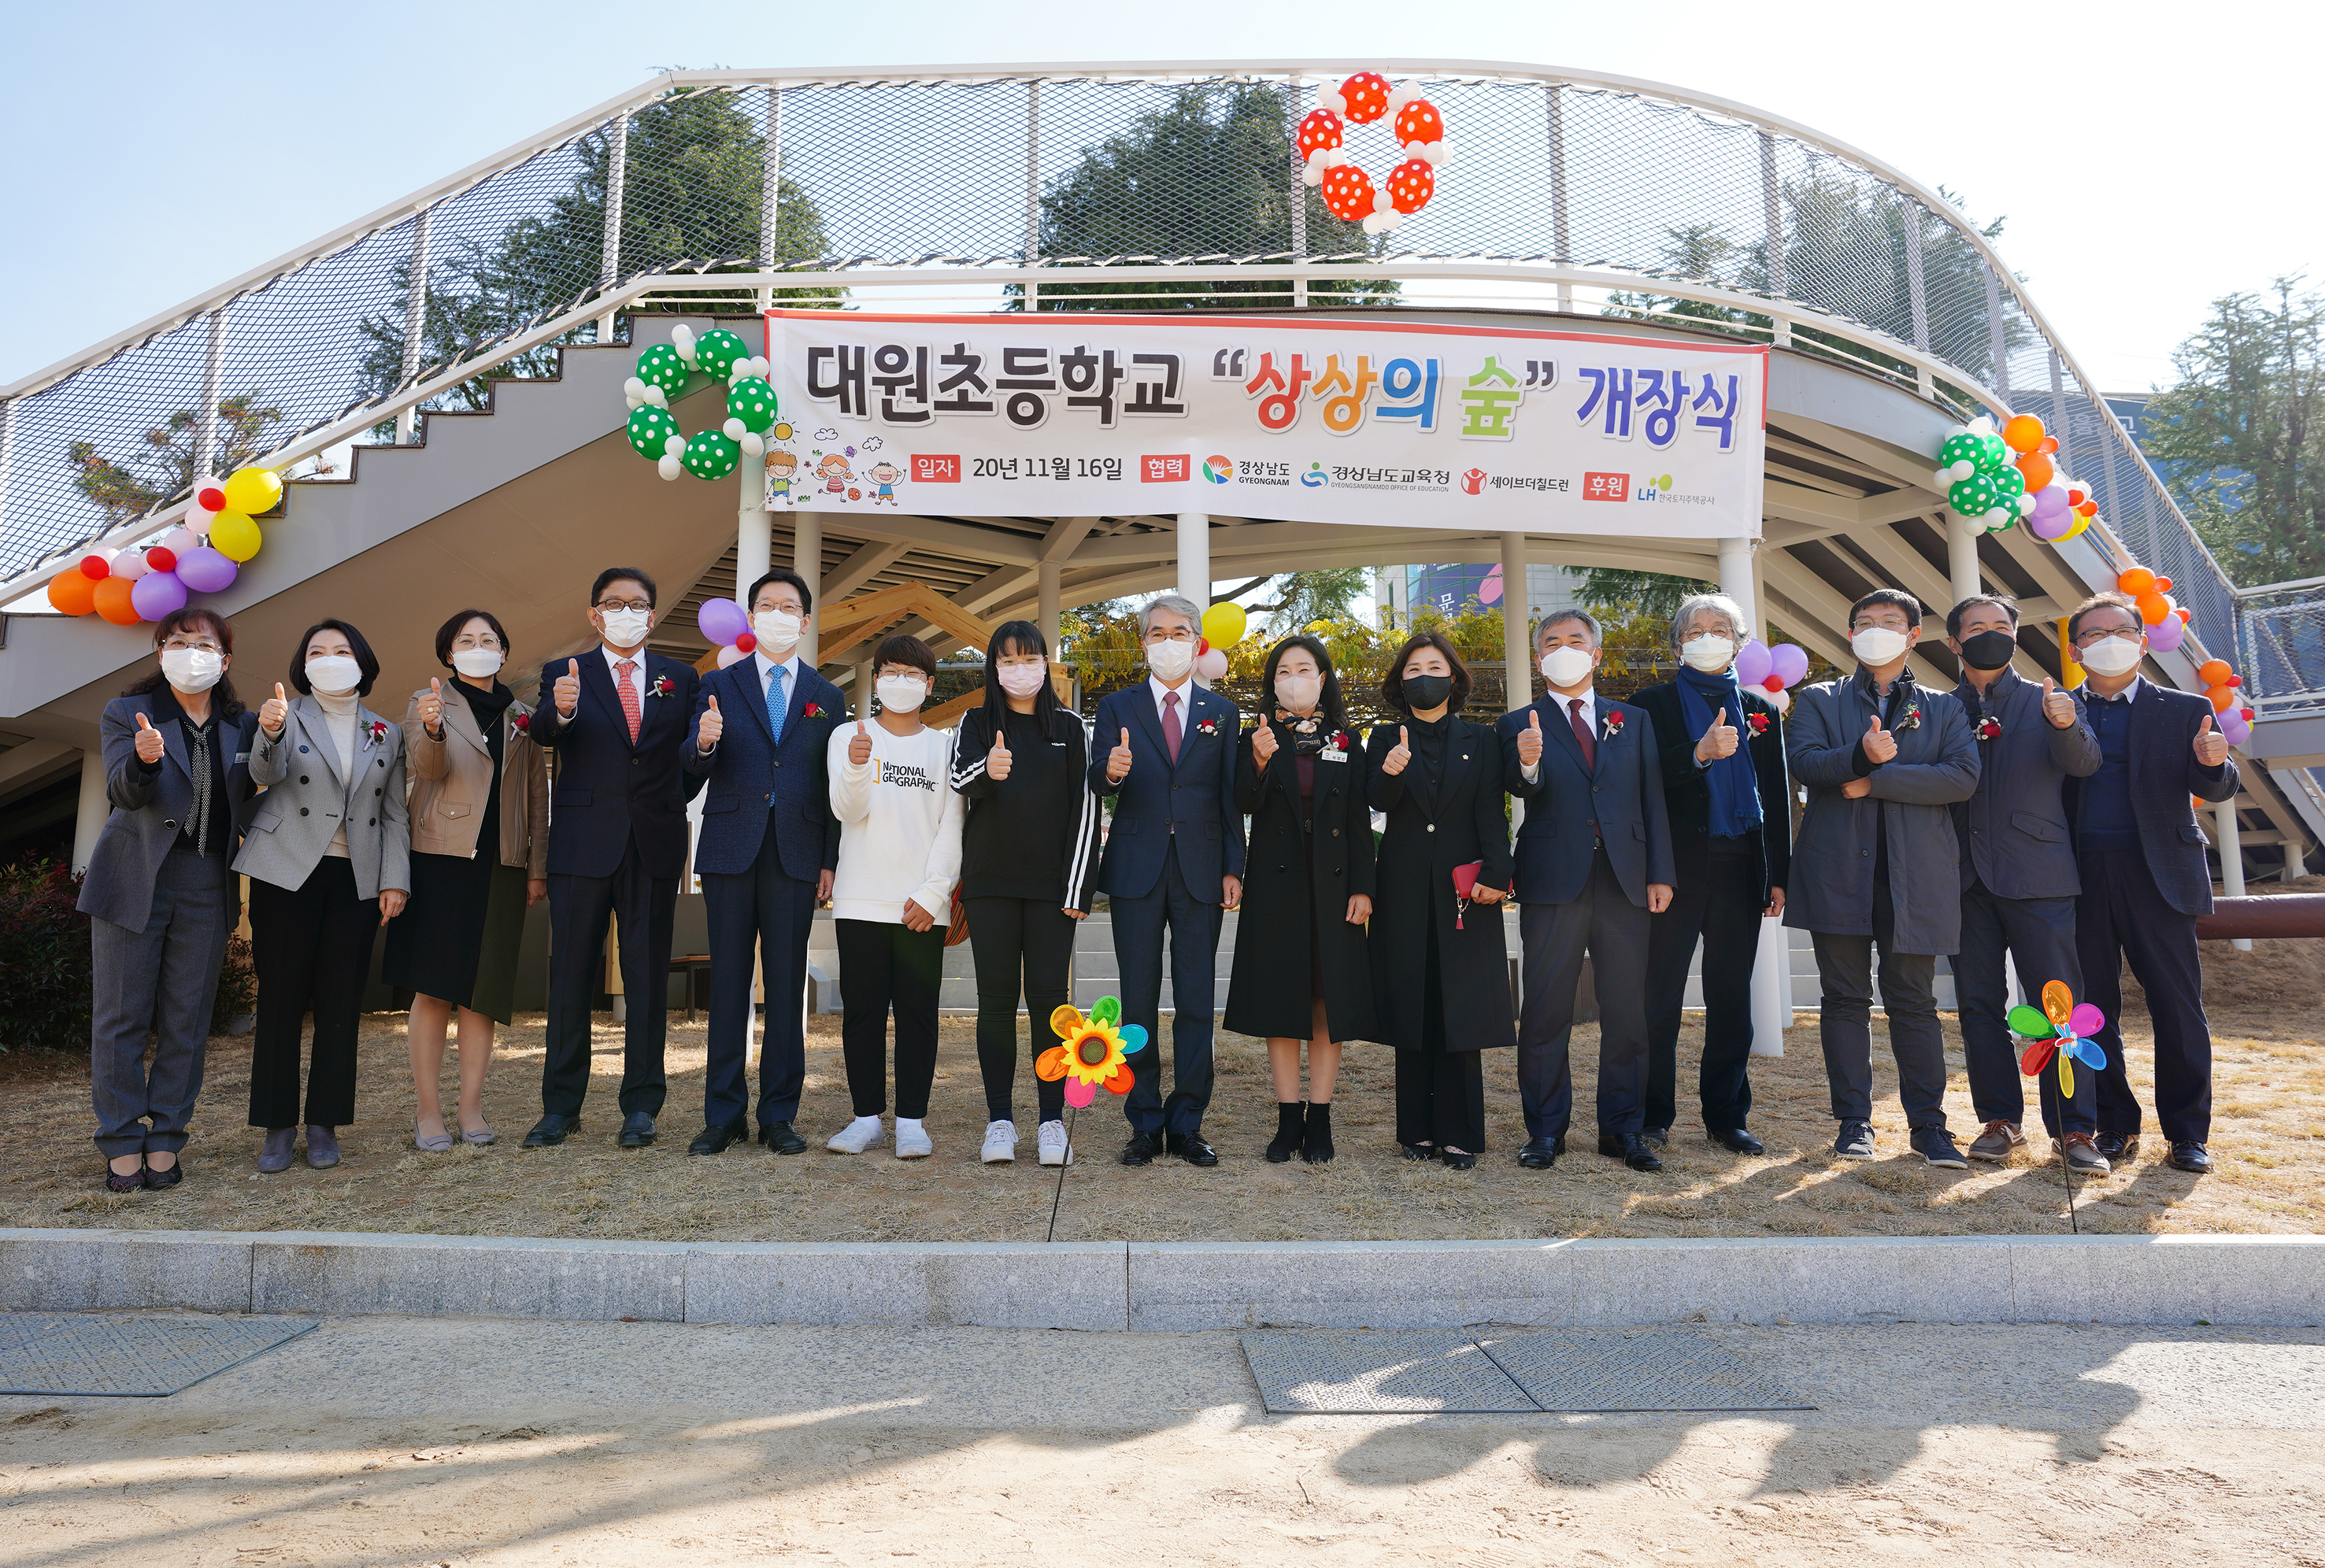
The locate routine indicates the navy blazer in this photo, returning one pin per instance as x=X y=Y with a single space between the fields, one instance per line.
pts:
x=2164 y=773
x=1157 y=803
x=754 y=778
x=2013 y=830
x=149 y=808
x=609 y=790
x=1573 y=807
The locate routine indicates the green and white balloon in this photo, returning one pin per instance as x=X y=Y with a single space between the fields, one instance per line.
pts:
x=659 y=366
x=751 y=401
x=710 y=455
x=651 y=427
x=1974 y=496
x=717 y=351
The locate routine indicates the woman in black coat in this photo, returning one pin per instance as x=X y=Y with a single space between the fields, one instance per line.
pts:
x=1302 y=971
x=1440 y=972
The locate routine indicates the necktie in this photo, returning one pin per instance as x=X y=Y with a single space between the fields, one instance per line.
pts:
x=630 y=709
x=1171 y=731
x=1582 y=733
x=776 y=706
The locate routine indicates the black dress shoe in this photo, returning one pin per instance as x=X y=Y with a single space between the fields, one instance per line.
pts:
x=1539 y=1154
x=1419 y=1150
x=718 y=1140
x=1631 y=1148
x=156 y=1180
x=1453 y=1159
x=2116 y=1147
x=1190 y=1147
x=1141 y=1148
x=2191 y=1157
x=780 y=1137
x=1658 y=1136
x=637 y=1130
x=550 y=1131
x=1736 y=1140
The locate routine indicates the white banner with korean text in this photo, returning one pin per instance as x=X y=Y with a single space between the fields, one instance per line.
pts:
x=1289 y=419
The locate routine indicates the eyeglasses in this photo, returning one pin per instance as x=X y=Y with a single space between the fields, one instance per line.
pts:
x=610 y=605
x=200 y=644
x=1170 y=634
x=2098 y=634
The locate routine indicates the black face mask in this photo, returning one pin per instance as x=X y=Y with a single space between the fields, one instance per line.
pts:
x=1427 y=691
x=1989 y=650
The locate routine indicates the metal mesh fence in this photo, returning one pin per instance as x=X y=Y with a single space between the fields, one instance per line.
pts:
x=1069 y=174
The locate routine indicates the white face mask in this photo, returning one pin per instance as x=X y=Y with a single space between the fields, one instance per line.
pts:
x=902 y=694
x=625 y=628
x=479 y=662
x=334 y=674
x=1878 y=645
x=1566 y=665
x=1298 y=692
x=778 y=632
x=1023 y=679
x=2111 y=657
x=193 y=668
x=1710 y=653
x=1170 y=660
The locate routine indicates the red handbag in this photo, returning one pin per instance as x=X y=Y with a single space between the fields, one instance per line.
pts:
x=1465 y=885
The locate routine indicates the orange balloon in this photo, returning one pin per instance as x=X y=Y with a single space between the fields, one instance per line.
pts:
x=111 y=596
x=2022 y=434
x=2222 y=698
x=2214 y=672
x=2152 y=609
x=72 y=592
x=2138 y=582
x=2039 y=471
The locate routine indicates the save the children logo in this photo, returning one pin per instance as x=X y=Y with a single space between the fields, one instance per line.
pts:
x=1473 y=481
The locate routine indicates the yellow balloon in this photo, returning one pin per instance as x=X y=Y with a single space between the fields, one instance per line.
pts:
x=2081 y=523
x=251 y=491
x=1224 y=626
x=234 y=536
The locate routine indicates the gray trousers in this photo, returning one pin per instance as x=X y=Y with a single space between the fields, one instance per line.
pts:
x=162 y=981
x=1909 y=996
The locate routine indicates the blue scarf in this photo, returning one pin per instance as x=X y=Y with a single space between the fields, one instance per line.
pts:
x=1735 y=789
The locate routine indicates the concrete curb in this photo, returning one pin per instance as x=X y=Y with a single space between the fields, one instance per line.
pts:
x=2275 y=1281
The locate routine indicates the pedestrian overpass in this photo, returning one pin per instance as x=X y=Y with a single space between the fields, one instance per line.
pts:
x=442 y=378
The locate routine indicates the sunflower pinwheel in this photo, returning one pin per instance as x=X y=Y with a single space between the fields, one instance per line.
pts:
x=2060 y=1030
x=1093 y=1053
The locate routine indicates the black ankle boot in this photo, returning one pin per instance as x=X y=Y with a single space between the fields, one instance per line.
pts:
x=1288 y=1132
x=1316 y=1147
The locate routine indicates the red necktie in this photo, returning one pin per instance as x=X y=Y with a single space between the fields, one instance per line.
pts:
x=1582 y=733
x=1171 y=725
x=629 y=696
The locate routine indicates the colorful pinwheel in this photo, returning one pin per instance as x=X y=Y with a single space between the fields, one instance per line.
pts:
x=1093 y=1051
x=2060 y=1031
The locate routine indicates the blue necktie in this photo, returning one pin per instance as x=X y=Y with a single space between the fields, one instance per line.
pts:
x=776 y=703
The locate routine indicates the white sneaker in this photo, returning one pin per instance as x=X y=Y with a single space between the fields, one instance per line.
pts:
x=1055 y=1149
x=857 y=1136
x=913 y=1140
x=1000 y=1143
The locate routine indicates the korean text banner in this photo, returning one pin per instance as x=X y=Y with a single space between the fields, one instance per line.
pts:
x=1327 y=420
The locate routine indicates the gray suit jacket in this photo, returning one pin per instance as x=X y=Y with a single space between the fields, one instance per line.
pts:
x=149 y=808
x=294 y=822
x=2014 y=831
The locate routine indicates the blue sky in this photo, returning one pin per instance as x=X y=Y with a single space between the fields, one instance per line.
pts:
x=2147 y=158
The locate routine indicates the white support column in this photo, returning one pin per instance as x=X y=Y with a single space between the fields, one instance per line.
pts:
x=754 y=531
x=610 y=254
x=1737 y=581
x=1517 y=641
x=863 y=668
x=2296 y=864
x=1772 y=966
x=1195 y=560
x=88 y=821
x=415 y=322
x=2228 y=835
x=1961 y=560
x=807 y=560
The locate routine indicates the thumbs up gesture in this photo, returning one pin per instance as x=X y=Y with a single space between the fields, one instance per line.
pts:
x=859 y=747
x=708 y=729
x=149 y=740
x=1529 y=740
x=430 y=709
x=1398 y=755
x=2212 y=746
x=2057 y=706
x=567 y=692
x=273 y=710
x=1880 y=745
x=1263 y=746
x=997 y=760
x=1719 y=740
x=1118 y=762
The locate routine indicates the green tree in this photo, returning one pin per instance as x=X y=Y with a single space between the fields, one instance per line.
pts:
x=162 y=465
x=2239 y=440
x=1618 y=590
x=1298 y=598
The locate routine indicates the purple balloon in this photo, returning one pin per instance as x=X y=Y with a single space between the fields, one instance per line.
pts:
x=206 y=570
x=2049 y=499
x=2051 y=525
x=1752 y=663
x=721 y=620
x=2166 y=634
x=2234 y=726
x=156 y=593
x=1788 y=661
x=2085 y=1021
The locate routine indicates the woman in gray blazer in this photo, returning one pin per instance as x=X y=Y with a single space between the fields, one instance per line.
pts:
x=328 y=853
x=176 y=752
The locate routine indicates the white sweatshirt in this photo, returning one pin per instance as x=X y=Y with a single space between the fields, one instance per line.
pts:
x=899 y=825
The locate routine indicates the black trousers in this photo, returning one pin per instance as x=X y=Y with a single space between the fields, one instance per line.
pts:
x=311 y=947
x=883 y=965
x=578 y=907
x=1603 y=920
x=1028 y=943
x=1194 y=931
x=1908 y=995
x=1440 y=1094
x=1722 y=910
x=773 y=911
x=2039 y=934
x=2123 y=916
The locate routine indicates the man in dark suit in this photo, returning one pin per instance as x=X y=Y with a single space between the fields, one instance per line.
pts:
x=2018 y=877
x=1173 y=858
x=1594 y=863
x=768 y=847
x=2144 y=877
x=614 y=720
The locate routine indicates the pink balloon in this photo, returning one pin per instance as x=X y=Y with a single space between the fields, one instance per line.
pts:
x=730 y=654
x=179 y=539
x=1211 y=664
x=2167 y=634
x=721 y=620
x=2085 y=1021
x=156 y=595
x=1788 y=662
x=133 y=565
x=1752 y=663
x=206 y=570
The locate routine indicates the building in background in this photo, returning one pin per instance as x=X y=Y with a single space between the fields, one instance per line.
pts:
x=1459 y=588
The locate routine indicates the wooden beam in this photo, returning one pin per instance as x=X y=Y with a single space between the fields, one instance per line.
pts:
x=976 y=544
x=1820 y=600
x=867 y=563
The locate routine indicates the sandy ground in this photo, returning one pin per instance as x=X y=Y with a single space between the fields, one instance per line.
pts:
x=396 y=1441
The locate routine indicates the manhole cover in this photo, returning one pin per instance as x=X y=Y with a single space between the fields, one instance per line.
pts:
x=1359 y=1373
x=44 y=1352
x=1614 y=1369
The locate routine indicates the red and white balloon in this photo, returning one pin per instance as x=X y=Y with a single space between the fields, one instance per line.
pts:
x=1348 y=192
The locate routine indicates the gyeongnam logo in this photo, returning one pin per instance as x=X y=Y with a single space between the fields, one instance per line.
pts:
x=1218 y=469
x=1315 y=478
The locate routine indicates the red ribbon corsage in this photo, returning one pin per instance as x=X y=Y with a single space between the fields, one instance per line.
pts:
x=662 y=686
x=1989 y=728
x=375 y=733
x=1759 y=722
x=522 y=723
x=1339 y=739
x=1911 y=721
x=1207 y=727
x=1614 y=724
x=813 y=710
